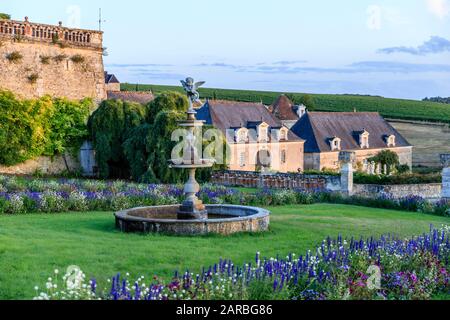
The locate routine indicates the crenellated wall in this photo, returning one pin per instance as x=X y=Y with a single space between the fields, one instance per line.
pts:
x=38 y=59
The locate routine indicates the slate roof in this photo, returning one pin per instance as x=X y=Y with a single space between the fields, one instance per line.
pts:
x=317 y=128
x=131 y=96
x=283 y=109
x=225 y=115
x=110 y=78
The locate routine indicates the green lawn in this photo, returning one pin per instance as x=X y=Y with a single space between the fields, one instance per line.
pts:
x=32 y=246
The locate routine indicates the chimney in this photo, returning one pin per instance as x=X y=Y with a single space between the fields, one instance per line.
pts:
x=301 y=110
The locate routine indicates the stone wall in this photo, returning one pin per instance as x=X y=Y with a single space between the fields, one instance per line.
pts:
x=45 y=165
x=322 y=182
x=428 y=191
x=53 y=60
x=330 y=160
x=280 y=180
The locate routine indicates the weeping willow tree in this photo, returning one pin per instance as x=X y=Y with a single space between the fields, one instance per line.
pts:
x=148 y=148
x=135 y=141
x=109 y=127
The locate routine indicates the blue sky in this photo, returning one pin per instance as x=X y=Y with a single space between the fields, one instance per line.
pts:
x=395 y=48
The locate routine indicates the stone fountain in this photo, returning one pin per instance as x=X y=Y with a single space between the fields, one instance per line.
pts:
x=192 y=217
x=192 y=207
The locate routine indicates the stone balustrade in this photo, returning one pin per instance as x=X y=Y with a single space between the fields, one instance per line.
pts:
x=25 y=30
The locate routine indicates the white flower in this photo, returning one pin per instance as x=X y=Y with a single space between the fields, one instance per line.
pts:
x=56 y=271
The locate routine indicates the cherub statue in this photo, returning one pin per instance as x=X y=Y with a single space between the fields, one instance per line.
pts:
x=191 y=89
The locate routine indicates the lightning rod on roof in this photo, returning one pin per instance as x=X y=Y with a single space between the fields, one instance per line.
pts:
x=100 y=20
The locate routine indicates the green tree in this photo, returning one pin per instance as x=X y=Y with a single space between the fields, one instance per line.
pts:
x=5 y=16
x=148 y=147
x=308 y=101
x=166 y=101
x=388 y=159
x=108 y=127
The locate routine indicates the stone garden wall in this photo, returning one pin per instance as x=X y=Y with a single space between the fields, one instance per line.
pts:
x=45 y=165
x=428 y=191
x=322 y=182
x=279 y=180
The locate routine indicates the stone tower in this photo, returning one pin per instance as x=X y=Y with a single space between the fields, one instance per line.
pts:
x=38 y=59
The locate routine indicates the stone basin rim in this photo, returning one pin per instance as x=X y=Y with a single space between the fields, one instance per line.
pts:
x=258 y=213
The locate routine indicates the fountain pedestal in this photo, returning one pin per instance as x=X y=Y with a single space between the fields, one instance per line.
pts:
x=192 y=207
x=192 y=211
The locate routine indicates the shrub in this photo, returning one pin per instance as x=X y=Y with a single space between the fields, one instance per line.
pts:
x=14 y=57
x=44 y=126
x=78 y=58
x=407 y=178
x=53 y=202
x=45 y=59
x=15 y=204
x=77 y=202
x=32 y=78
x=60 y=58
x=404 y=168
x=324 y=172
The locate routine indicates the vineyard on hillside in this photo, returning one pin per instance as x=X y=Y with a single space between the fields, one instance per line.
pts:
x=391 y=108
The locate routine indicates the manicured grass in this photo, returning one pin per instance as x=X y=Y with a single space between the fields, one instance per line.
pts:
x=32 y=246
x=391 y=108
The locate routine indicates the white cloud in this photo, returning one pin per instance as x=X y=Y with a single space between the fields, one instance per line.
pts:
x=440 y=8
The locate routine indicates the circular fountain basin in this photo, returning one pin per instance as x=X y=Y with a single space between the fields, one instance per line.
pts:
x=222 y=219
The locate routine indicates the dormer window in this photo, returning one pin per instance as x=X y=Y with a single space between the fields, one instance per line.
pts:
x=335 y=144
x=263 y=132
x=283 y=134
x=390 y=141
x=364 y=140
x=242 y=135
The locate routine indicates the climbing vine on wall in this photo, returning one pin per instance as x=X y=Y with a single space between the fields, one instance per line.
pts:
x=45 y=126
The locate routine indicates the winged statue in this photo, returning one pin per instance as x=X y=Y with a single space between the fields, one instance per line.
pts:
x=191 y=89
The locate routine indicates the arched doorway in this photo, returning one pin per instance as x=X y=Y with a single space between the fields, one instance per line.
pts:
x=263 y=160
